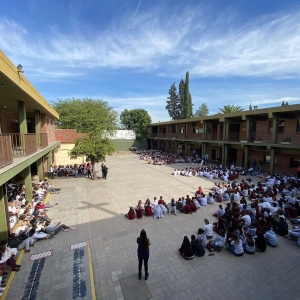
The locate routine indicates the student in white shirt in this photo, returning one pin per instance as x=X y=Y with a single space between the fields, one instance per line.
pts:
x=235 y=246
x=208 y=230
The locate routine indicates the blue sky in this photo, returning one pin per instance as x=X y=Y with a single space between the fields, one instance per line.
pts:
x=236 y=52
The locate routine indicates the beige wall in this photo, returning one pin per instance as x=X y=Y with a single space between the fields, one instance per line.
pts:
x=62 y=155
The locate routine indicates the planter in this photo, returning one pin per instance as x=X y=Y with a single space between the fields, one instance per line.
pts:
x=257 y=142
x=285 y=143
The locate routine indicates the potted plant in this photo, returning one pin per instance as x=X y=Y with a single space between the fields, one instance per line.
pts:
x=258 y=140
x=286 y=141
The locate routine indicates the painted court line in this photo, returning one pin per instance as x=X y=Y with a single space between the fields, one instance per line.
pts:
x=40 y=255
x=78 y=245
x=92 y=279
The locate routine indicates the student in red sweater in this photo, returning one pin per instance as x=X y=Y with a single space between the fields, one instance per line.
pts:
x=131 y=214
x=148 y=210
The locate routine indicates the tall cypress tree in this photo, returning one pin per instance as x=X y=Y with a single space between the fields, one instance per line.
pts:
x=181 y=91
x=187 y=104
x=172 y=103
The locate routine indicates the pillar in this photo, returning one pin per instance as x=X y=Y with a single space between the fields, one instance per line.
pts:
x=225 y=130
x=22 y=123
x=247 y=129
x=274 y=129
x=204 y=131
x=225 y=156
x=37 y=120
x=203 y=149
x=272 y=161
x=176 y=146
x=40 y=168
x=186 y=148
x=28 y=183
x=4 y=221
x=246 y=158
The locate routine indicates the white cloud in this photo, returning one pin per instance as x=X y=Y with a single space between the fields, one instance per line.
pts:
x=186 y=39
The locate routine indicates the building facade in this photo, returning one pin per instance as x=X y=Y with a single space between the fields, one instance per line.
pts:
x=27 y=134
x=270 y=135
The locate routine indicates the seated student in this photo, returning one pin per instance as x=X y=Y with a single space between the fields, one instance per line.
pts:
x=271 y=238
x=208 y=229
x=249 y=244
x=252 y=229
x=220 y=212
x=200 y=191
x=260 y=242
x=193 y=207
x=246 y=219
x=281 y=227
x=172 y=207
x=139 y=210
x=203 y=200
x=202 y=237
x=41 y=215
x=218 y=243
x=217 y=226
x=148 y=210
x=161 y=201
x=226 y=197
x=179 y=204
x=210 y=199
x=158 y=212
x=164 y=208
x=235 y=245
x=195 y=201
x=295 y=235
x=186 y=209
x=131 y=214
x=56 y=228
x=197 y=246
x=186 y=249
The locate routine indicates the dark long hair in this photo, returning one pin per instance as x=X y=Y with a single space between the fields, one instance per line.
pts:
x=144 y=240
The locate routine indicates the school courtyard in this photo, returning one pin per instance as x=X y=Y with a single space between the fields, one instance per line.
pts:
x=97 y=209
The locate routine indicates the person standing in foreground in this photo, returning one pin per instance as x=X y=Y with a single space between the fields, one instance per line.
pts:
x=51 y=171
x=143 y=253
x=104 y=171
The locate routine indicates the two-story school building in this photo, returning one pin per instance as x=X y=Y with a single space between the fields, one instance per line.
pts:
x=270 y=135
x=27 y=134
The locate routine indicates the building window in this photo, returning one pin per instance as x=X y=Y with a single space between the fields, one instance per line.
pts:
x=47 y=121
x=182 y=129
x=164 y=130
x=173 y=128
x=294 y=162
x=195 y=128
x=298 y=126
x=280 y=127
x=267 y=159
x=270 y=126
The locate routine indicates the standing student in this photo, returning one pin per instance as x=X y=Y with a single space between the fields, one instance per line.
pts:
x=105 y=171
x=88 y=168
x=51 y=171
x=143 y=253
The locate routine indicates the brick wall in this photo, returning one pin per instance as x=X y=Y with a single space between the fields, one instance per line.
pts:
x=48 y=126
x=67 y=135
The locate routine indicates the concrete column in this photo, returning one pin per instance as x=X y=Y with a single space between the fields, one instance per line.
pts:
x=203 y=149
x=247 y=129
x=274 y=129
x=37 y=120
x=40 y=168
x=28 y=183
x=272 y=161
x=22 y=123
x=204 y=131
x=246 y=158
x=4 y=221
x=225 y=158
x=22 y=117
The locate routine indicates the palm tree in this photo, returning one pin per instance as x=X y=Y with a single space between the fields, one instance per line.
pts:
x=230 y=109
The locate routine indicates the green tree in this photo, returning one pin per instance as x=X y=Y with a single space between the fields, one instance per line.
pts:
x=202 y=111
x=136 y=119
x=96 y=119
x=187 y=103
x=173 y=103
x=181 y=90
x=95 y=148
x=250 y=107
x=230 y=109
x=282 y=104
x=286 y=103
x=86 y=115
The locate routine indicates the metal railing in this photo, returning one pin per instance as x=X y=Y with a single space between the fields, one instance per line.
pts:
x=6 y=155
x=18 y=145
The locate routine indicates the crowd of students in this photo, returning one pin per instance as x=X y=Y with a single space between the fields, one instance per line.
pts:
x=29 y=223
x=252 y=217
x=71 y=170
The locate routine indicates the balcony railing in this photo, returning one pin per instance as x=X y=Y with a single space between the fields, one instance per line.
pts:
x=256 y=138
x=18 y=145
